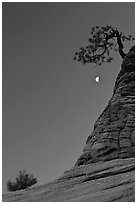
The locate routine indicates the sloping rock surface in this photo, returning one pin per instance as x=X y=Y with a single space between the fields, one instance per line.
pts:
x=105 y=171
x=109 y=181
x=114 y=131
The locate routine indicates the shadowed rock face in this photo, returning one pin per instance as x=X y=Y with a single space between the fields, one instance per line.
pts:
x=114 y=131
x=105 y=172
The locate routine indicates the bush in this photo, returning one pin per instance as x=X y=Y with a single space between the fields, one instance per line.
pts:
x=23 y=181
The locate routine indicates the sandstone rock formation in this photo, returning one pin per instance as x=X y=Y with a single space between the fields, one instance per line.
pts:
x=110 y=181
x=105 y=172
x=114 y=131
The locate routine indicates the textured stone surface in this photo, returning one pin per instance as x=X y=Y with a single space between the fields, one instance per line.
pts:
x=114 y=131
x=109 y=181
x=105 y=172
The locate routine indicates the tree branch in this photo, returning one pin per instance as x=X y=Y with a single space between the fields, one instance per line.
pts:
x=119 y=42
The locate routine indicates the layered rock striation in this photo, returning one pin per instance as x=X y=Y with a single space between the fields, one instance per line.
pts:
x=109 y=181
x=113 y=136
x=105 y=172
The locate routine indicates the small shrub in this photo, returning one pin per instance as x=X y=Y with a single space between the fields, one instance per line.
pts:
x=23 y=181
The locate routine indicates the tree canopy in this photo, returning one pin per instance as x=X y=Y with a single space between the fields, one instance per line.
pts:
x=102 y=40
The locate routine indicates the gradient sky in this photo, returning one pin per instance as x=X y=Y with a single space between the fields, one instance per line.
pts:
x=50 y=102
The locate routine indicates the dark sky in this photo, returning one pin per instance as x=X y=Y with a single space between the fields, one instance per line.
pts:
x=50 y=102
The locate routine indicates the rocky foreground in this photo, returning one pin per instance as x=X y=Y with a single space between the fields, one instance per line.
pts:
x=105 y=172
x=110 y=181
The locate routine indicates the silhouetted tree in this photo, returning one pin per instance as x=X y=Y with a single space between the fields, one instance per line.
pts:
x=102 y=40
x=23 y=181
